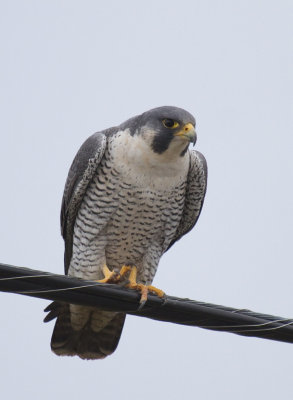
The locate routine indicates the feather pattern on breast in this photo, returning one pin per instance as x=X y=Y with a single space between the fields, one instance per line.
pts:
x=131 y=192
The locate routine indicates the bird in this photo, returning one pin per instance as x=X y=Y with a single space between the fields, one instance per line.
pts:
x=132 y=191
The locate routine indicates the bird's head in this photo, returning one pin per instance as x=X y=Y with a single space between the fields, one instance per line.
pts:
x=165 y=129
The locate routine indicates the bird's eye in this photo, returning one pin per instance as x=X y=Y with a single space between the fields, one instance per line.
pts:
x=170 y=123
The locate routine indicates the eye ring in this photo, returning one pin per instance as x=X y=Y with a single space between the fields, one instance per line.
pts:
x=170 y=123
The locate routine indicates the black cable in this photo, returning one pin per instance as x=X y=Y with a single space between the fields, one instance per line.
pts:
x=117 y=298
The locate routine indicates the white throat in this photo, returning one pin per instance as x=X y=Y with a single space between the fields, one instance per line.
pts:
x=135 y=159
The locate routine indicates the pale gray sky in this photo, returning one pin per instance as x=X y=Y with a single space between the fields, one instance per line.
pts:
x=70 y=68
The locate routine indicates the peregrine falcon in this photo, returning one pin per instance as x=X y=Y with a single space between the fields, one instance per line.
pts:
x=132 y=191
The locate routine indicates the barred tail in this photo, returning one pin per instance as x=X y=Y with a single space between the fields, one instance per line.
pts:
x=91 y=341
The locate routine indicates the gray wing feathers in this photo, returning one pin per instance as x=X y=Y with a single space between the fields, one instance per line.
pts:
x=194 y=196
x=80 y=174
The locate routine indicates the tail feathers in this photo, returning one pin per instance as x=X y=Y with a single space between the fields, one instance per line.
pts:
x=85 y=343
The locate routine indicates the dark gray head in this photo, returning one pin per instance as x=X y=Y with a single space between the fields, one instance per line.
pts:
x=162 y=126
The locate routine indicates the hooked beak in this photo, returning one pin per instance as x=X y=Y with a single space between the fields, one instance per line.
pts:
x=188 y=132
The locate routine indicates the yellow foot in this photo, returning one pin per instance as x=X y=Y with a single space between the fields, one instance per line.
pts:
x=123 y=271
x=112 y=276
x=143 y=289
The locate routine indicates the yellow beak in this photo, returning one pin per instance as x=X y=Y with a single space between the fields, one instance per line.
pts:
x=188 y=132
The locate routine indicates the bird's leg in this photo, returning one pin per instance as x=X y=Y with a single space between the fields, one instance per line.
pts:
x=108 y=275
x=144 y=289
x=123 y=271
x=112 y=276
x=117 y=277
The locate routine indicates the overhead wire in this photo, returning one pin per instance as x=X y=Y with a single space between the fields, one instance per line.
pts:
x=61 y=288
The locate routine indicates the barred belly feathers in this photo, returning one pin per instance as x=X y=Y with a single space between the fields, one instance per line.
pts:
x=131 y=192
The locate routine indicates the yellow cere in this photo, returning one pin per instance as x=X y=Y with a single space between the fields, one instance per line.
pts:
x=185 y=130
